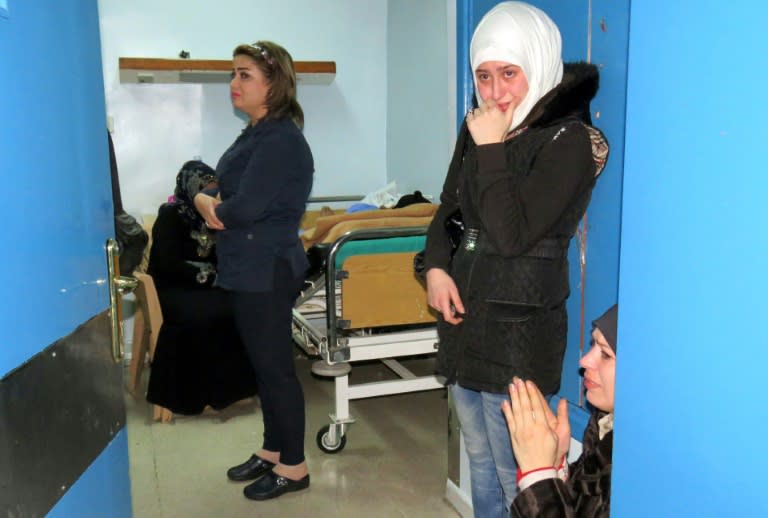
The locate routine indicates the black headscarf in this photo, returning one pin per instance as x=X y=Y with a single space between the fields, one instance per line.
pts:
x=193 y=177
x=608 y=324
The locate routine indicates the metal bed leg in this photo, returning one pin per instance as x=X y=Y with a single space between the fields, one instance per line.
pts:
x=332 y=438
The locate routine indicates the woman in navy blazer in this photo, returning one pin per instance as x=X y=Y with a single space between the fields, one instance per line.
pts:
x=264 y=182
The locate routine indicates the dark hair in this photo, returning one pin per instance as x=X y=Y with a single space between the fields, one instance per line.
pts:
x=277 y=66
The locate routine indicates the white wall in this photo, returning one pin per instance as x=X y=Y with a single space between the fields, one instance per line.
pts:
x=158 y=127
x=420 y=93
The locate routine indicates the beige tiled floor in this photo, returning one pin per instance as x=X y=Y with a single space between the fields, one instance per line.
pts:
x=393 y=465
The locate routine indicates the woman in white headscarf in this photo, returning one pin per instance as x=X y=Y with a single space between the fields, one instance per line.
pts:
x=521 y=175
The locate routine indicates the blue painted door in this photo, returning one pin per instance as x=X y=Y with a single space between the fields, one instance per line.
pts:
x=691 y=380
x=595 y=31
x=57 y=215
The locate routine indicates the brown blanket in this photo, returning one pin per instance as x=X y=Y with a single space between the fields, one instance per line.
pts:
x=329 y=228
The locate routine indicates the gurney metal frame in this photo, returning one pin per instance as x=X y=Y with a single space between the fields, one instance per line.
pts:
x=338 y=346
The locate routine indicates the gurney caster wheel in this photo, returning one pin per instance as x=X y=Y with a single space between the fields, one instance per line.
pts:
x=328 y=444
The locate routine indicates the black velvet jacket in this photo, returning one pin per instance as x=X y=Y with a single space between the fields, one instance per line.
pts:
x=265 y=178
x=523 y=196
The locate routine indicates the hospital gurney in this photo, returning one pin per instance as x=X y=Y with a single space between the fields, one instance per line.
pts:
x=366 y=304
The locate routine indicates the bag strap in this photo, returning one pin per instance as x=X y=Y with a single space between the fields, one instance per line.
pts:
x=117 y=199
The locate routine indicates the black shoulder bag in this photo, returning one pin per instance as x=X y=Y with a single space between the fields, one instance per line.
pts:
x=132 y=239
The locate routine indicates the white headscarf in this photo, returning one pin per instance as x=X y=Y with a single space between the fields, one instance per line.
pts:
x=523 y=35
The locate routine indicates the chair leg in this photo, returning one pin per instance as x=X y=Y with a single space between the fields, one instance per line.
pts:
x=138 y=351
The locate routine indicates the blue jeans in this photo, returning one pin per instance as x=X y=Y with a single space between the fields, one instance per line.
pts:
x=492 y=465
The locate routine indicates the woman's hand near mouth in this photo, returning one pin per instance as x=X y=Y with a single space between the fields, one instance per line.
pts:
x=489 y=124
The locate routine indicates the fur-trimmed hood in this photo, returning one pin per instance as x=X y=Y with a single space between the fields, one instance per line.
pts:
x=570 y=98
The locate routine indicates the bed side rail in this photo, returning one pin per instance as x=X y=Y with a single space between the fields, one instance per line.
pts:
x=336 y=343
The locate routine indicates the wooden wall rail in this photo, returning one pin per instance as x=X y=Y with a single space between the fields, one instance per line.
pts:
x=160 y=70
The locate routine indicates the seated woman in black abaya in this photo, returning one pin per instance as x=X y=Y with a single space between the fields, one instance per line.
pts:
x=199 y=359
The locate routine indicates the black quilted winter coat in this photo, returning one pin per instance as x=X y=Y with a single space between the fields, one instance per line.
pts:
x=521 y=201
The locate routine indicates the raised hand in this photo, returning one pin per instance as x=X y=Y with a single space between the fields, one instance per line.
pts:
x=206 y=206
x=488 y=124
x=559 y=423
x=535 y=443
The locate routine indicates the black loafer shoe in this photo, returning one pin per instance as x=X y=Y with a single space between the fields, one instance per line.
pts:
x=273 y=485
x=251 y=469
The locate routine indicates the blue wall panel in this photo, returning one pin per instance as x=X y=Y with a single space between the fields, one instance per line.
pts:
x=466 y=20
x=572 y=19
x=608 y=50
x=690 y=415
x=102 y=491
x=54 y=154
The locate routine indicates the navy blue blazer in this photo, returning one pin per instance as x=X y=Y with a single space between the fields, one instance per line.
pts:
x=265 y=178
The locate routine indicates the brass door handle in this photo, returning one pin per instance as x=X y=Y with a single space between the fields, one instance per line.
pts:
x=125 y=284
x=118 y=286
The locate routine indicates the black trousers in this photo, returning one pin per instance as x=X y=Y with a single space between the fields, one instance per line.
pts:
x=264 y=322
